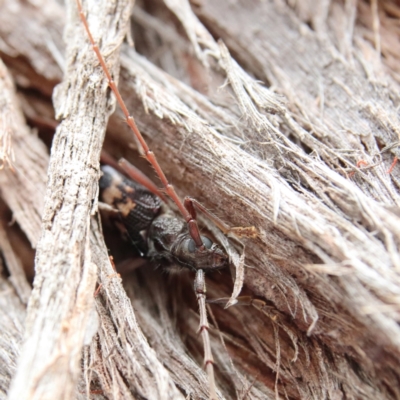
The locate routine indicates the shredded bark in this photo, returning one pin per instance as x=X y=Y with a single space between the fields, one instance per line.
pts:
x=6 y=112
x=278 y=115
x=12 y=316
x=25 y=160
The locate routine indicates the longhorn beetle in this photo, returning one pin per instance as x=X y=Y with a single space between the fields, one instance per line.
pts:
x=168 y=239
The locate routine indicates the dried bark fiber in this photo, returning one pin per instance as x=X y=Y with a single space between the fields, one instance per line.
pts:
x=284 y=157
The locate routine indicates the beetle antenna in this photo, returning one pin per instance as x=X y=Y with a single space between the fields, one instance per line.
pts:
x=149 y=155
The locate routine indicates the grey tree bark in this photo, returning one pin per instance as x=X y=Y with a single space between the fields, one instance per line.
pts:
x=281 y=115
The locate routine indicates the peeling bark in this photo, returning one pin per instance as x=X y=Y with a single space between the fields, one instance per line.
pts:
x=302 y=157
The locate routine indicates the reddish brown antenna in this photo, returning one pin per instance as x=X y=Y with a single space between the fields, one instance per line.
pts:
x=151 y=158
x=187 y=210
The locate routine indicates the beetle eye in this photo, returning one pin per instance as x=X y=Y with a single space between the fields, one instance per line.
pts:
x=191 y=246
x=206 y=241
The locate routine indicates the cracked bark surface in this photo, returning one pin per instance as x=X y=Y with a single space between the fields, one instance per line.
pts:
x=283 y=156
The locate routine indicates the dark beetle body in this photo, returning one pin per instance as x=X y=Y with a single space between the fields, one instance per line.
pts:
x=156 y=234
x=136 y=206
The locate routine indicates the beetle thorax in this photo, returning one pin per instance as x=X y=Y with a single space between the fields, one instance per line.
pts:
x=170 y=243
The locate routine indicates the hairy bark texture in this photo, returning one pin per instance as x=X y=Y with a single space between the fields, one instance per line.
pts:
x=280 y=115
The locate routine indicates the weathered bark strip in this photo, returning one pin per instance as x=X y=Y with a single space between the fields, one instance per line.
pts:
x=119 y=358
x=329 y=248
x=6 y=116
x=62 y=298
x=22 y=181
x=14 y=267
x=14 y=295
x=40 y=43
x=12 y=316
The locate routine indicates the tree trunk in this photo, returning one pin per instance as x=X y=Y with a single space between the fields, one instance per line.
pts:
x=278 y=115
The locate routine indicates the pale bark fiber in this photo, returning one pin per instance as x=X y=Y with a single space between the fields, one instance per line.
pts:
x=24 y=179
x=62 y=297
x=283 y=156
